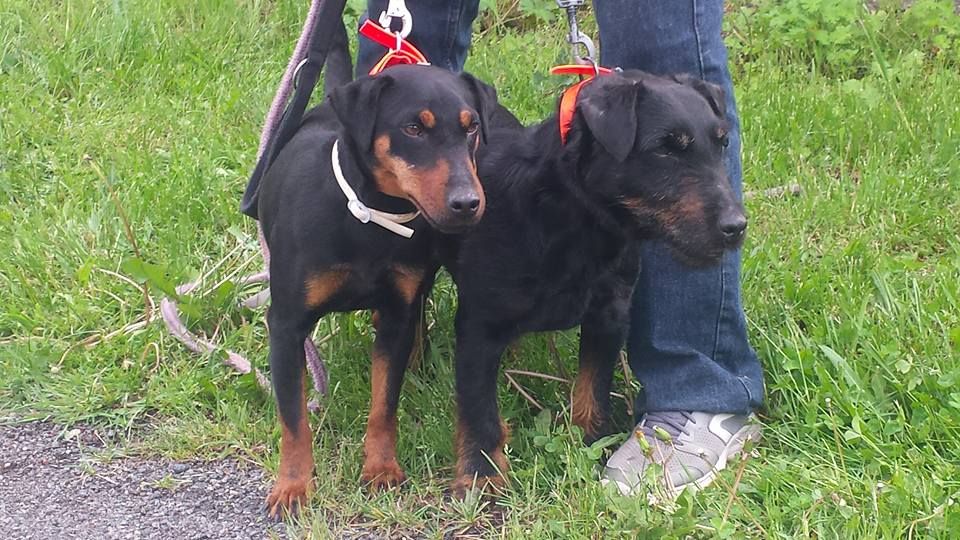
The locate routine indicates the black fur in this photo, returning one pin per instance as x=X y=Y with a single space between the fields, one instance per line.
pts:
x=558 y=246
x=312 y=236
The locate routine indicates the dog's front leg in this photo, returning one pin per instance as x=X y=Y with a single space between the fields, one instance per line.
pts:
x=600 y=344
x=602 y=335
x=481 y=433
x=396 y=331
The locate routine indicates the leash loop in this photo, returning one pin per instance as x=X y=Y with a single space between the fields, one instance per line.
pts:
x=397 y=9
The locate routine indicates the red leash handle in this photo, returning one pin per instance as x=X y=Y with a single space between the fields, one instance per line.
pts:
x=405 y=54
x=568 y=102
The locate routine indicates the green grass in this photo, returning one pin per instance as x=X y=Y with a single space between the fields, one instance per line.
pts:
x=851 y=288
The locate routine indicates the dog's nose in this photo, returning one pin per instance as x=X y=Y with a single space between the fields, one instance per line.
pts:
x=464 y=204
x=732 y=226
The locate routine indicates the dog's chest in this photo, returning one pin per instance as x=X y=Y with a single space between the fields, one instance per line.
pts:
x=369 y=270
x=564 y=286
x=559 y=310
x=371 y=287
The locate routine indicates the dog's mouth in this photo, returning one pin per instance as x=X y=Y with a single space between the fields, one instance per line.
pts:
x=696 y=250
x=446 y=226
x=696 y=254
x=696 y=243
x=695 y=258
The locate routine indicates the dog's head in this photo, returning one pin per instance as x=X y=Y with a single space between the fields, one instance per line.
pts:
x=655 y=150
x=418 y=129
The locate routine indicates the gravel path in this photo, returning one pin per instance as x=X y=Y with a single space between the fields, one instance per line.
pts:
x=53 y=486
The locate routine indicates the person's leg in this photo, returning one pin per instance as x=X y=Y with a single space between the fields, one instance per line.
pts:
x=688 y=341
x=441 y=30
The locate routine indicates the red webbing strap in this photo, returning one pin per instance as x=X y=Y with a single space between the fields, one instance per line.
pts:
x=406 y=54
x=568 y=102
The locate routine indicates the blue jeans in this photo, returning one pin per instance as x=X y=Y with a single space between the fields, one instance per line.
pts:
x=688 y=338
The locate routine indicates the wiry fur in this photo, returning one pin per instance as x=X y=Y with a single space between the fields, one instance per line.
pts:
x=558 y=246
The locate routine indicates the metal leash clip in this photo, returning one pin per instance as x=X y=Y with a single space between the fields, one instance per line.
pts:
x=397 y=9
x=576 y=38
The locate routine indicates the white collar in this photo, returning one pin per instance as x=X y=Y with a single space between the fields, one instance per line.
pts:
x=391 y=222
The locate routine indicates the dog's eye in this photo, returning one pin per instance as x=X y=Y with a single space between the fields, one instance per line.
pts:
x=677 y=142
x=724 y=139
x=413 y=130
x=473 y=127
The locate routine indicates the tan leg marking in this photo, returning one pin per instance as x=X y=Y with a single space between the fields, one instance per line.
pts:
x=380 y=467
x=463 y=481
x=294 y=483
x=586 y=410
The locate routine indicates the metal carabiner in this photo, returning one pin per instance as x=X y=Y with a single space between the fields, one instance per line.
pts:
x=582 y=40
x=397 y=9
x=575 y=37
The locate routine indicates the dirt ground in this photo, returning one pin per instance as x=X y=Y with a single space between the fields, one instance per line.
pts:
x=54 y=484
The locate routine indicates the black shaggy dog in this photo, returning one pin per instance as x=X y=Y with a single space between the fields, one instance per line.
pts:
x=406 y=140
x=558 y=246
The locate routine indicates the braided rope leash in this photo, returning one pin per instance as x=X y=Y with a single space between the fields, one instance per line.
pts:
x=401 y=52
x=168 y=307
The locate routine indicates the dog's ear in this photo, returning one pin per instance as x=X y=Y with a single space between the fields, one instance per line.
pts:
x=356 y=106
x=484 y=101
x=713 y=93
x=611 y=115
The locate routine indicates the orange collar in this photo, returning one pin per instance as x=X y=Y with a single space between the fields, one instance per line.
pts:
x=405 y=53
x=568 y=102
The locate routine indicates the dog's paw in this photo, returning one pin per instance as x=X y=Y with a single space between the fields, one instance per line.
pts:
x=288 y=496
x=380 y=476
x=486 y=485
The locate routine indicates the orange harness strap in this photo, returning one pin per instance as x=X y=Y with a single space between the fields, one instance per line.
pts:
x=568 y=101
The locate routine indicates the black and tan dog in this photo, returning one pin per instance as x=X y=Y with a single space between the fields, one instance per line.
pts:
x=404 y=141
x=558 y=246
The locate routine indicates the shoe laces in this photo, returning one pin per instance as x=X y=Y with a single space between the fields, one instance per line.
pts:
x=673 y=422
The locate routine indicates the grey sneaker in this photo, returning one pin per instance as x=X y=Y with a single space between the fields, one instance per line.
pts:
x=691 y=446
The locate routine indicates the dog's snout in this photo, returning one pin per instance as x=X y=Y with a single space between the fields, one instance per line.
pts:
x=464 y=203
x=732 y=225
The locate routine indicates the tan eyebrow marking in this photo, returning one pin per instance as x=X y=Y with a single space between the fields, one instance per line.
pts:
x=466 y=118
x=427 y=118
